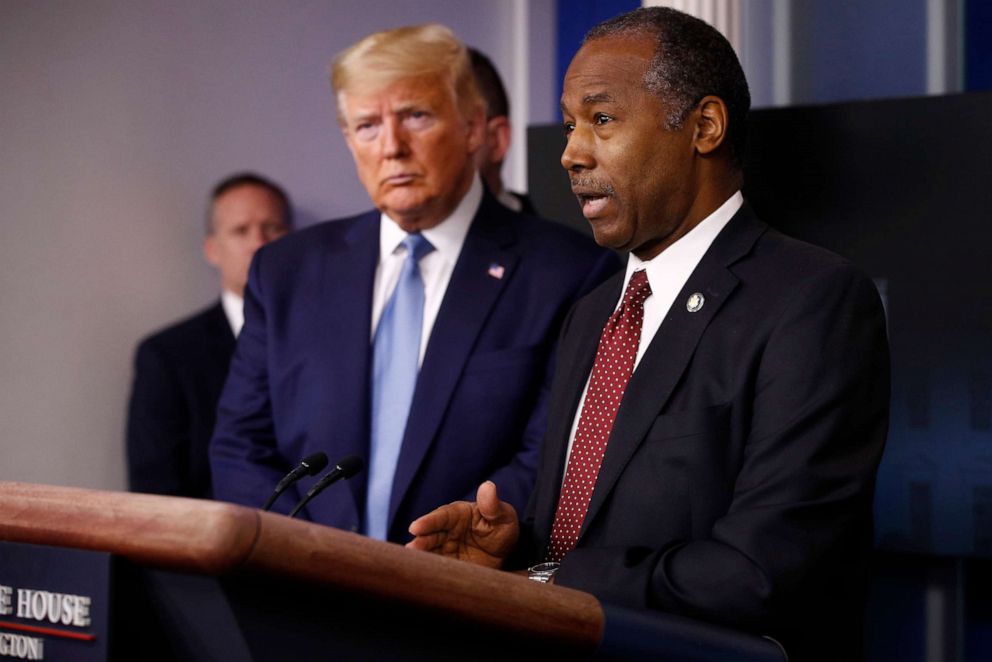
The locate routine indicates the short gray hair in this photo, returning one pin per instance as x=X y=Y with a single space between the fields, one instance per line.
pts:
x=691 y=60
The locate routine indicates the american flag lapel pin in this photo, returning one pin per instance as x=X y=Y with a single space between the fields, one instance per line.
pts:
x=496 y=270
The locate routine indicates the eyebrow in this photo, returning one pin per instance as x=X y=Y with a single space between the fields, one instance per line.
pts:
x=601 y=97
x=362 y=117
x=404 y=109
x=590 y=99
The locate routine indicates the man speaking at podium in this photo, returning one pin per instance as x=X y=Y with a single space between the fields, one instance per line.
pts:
x=714 y=436
x=418 y=336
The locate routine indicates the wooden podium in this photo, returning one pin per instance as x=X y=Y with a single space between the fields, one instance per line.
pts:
x=258 y=586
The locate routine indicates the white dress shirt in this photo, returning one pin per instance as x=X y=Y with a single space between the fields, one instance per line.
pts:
x=436 y=267
x=234 y=310
x=667 y=274
x=510 y=200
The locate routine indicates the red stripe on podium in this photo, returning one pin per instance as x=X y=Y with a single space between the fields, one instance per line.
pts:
x=65 y=634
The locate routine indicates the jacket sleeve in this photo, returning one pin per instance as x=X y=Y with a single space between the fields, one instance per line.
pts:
x=243 y=457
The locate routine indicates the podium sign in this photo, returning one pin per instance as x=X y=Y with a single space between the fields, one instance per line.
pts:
x=54 y=603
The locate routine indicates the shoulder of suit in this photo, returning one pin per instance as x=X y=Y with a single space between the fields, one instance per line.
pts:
x=196 y=328
x=795 y=256
x=321 y=235
x=781 y=271
x=551 y=237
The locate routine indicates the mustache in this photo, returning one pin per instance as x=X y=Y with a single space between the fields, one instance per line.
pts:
x=590 y=186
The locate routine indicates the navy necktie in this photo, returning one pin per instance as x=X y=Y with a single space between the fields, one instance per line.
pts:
x=395 y=364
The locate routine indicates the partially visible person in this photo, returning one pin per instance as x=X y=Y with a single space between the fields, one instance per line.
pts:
x=498 y=135
x=715 y=432
x=418 y=336
x=179 y=371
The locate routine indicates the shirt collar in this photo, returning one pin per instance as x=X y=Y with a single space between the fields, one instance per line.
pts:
x=447 y=236
x=689 y=249
x=510 y=200
x=234 y=310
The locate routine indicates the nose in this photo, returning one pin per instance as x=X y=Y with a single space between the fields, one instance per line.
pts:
x=394 y=144
x=578 y=154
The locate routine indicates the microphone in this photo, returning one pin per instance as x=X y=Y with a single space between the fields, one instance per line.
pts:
x=347 y=467
x=310 y=465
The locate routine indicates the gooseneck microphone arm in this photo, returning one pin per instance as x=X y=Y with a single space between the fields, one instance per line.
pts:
x=346 y=468
x=310 y=465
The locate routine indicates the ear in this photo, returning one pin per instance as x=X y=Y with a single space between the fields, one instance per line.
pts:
x=498 y=132
x=476 y=127
x=711 y=124
x=210 y=250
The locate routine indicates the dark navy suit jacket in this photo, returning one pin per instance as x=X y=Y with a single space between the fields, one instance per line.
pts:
x=299 y=381
x=737 y=483
x=178 y=376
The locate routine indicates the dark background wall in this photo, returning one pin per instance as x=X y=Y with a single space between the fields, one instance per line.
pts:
x=978 y=45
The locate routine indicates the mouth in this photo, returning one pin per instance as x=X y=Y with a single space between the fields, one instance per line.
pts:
x=399 y=179
x=593 y=197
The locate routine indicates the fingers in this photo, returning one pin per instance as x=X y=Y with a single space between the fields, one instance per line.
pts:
x=432 y=542
x=483 y=532
x=428 y=523
x=487 y=501
x=444 y=530
x=491 y=508
x=441 y=519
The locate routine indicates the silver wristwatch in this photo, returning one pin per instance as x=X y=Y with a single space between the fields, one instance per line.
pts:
x=542 y=572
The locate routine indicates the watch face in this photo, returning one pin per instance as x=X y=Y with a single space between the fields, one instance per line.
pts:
x=542 y=572
x=549 y=566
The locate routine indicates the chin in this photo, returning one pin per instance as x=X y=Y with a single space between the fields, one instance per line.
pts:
x=410 y=227
x=412 y=220
x=402 y=215
x=606 y=236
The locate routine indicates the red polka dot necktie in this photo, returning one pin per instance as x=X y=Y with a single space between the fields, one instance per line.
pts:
x=611 y=371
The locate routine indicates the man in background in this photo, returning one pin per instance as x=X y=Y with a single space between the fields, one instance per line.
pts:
x=179 y=371
x=418 y=336
x=498 y=134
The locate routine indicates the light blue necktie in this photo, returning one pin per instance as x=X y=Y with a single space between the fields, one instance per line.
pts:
x=395 y=359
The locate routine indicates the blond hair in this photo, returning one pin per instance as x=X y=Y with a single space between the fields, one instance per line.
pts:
x=415 y=51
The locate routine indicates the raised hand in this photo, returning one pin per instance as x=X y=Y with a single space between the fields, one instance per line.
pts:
x=484 y=532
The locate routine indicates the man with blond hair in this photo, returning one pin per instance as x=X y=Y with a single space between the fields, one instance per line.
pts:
x=418 y=336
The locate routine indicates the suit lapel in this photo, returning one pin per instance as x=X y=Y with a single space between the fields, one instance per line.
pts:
x=470 y=296
x=344 y=317
x=575 y=356
x=668 y=355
